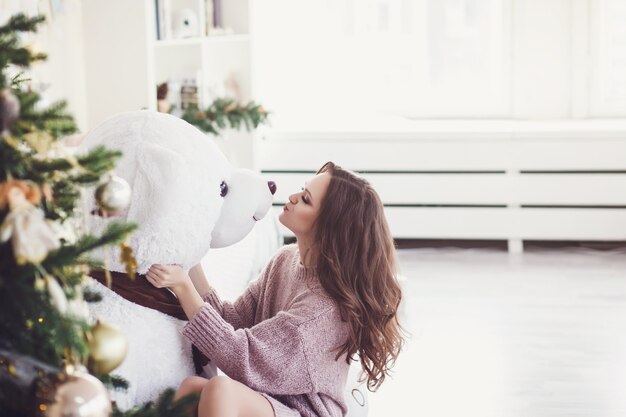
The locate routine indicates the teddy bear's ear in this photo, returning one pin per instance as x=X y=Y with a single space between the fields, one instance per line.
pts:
x=160 y=178
x=159 y=205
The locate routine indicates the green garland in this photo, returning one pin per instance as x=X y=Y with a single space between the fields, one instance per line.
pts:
x=226 y=113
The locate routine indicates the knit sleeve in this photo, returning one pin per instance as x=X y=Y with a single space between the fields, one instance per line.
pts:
x=268 y=357
x=242 y=312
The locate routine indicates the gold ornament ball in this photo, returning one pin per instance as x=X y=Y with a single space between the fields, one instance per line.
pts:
x=107 y=348
x=113 y=195
x=82 y=395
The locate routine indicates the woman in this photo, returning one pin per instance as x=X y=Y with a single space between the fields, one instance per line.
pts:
x=287 y=342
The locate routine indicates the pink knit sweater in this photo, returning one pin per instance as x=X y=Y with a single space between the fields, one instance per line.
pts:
x=279 y=338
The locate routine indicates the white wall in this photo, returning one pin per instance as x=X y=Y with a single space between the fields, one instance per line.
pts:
x=116 y=54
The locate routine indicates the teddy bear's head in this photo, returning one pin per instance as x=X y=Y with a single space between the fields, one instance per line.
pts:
x=186 y=197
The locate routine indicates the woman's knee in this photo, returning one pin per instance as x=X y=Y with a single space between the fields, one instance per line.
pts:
x=219 y=387
x=191 y=384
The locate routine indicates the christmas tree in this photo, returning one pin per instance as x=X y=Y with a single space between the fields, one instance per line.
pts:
x=46 y=339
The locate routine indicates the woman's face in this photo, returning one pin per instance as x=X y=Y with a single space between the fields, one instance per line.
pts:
x=300 y=213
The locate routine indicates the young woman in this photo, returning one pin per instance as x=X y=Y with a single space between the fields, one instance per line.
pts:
x=286 y=344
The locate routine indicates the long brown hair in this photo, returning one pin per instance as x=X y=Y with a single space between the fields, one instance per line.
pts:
x=356 y=265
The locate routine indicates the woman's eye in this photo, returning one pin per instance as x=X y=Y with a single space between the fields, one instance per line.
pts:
x=305 y=200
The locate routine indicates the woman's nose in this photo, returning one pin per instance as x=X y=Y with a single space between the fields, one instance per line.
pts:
x=293 y=198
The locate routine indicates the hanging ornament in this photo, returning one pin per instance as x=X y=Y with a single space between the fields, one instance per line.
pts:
x=9 y=109
x=107 y=348
x=41 y=142
x=113 y=195
x=27 y=228
x=80 y=395
x=128 y=259
x=56 y=294
x=77 y=307
x=31 y=191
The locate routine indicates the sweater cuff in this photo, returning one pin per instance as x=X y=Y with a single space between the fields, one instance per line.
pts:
x=208 y=331
x=212 y=298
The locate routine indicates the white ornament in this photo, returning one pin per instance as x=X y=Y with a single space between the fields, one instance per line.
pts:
x=64 y=231
x=57 y=295
x=77 y=307
x=81 y=396
x=25 y=225
x=113 y=195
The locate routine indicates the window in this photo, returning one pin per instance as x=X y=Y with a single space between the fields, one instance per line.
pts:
x=440 y=58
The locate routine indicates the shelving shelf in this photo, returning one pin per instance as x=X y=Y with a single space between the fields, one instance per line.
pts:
x=215 y=39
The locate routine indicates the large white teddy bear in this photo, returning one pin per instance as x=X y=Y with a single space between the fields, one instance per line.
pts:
x=186 y=198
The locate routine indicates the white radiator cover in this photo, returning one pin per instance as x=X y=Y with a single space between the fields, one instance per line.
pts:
x=473 y=180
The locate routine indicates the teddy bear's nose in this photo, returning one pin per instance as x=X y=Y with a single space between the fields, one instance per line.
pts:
x=272 y=186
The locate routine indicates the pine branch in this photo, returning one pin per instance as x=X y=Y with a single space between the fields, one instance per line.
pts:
x=11 y=53
x=54 y=119
x=96 y=162
x=113 y=381
x=21 y=23
x=115 y=233
x=226 y=113
x=165 y=406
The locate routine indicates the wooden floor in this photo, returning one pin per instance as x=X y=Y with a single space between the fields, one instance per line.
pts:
x=541 y=334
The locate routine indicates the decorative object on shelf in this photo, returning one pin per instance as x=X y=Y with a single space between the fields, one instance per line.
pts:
x=185 y=24
x=107 y=348
x=189 y=94
x=227 y=113
x=163 y=105
x=209 y=22
x=217 y=14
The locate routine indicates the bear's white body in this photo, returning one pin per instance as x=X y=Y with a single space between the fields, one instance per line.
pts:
x=175 y=173
x=158 y=357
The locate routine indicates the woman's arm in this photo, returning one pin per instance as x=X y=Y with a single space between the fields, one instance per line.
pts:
x=174 y=278
x=239 y=314
x=199 y=280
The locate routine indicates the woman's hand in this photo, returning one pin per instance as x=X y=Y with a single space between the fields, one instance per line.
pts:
x=168 y=276
x=173 y=277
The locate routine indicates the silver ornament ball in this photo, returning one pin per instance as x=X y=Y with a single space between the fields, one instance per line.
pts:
x=9 y=109
x=113 y=195
x=82 y=395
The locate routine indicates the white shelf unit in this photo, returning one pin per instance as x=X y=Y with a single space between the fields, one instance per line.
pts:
x=512 y=181
x=125 y=62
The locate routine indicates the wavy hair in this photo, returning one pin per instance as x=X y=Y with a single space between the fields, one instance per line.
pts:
x=356 y=265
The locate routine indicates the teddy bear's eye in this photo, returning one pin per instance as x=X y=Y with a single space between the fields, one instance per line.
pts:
x=223 y=189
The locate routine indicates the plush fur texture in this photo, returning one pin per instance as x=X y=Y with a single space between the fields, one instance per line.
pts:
x=157 y=358
x=175 y=172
